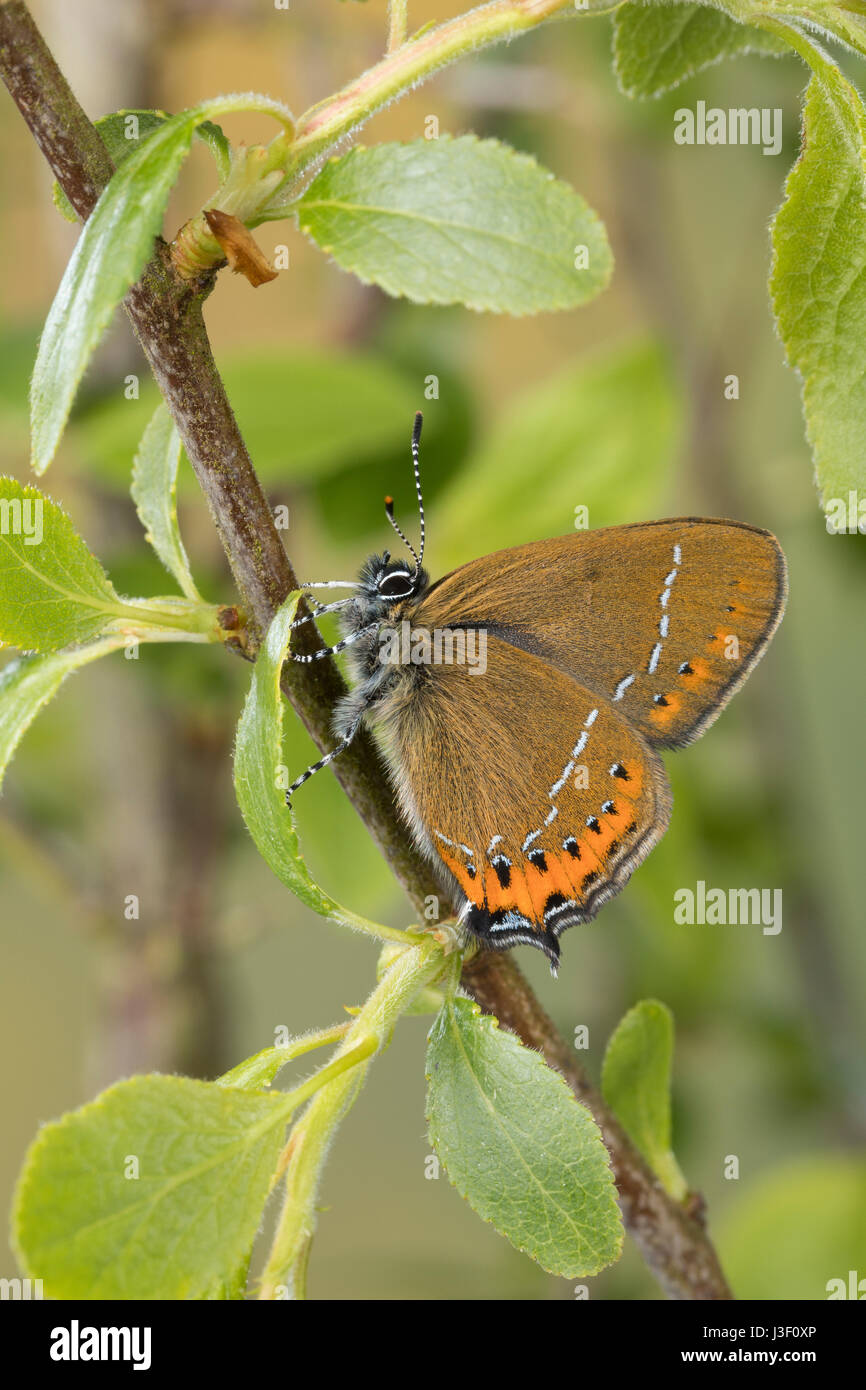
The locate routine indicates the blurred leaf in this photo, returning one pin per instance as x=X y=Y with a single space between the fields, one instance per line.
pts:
x=303 y=414
x=603 y=435
x=636 y=1081
x=795 y=1228
x=518 y=1146
x=154 y=492
x=260 y=782
x=29 y=682
x=182 y=1225
x=818 y=279
x=52 y=590
x=17 y=346
x=349 y=500
x=656 y=46
x=457 y=221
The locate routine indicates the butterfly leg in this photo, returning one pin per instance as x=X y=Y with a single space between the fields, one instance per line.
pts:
x=337 y=647
x=323 y=762
x=319 y=609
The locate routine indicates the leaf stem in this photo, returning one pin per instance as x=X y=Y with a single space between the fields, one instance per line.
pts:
x=146 y=618
x=331 y=120
x=251 y=1071
x=307 y=1148
x=398 y=21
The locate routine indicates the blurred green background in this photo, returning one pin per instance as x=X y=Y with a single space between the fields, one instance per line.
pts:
x=124 y=785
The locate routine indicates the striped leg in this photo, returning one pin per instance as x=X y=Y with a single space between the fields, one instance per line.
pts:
x=323 y=762
x=319 y=609
x=330 y=584
x=337 y=647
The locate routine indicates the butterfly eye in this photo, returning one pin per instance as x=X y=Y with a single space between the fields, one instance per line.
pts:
x=395 y=585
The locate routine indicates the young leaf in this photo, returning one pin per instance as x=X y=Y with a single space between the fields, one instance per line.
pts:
x=518 y=1146
x=458 y=221
x=818 y=278
x=112 y=250
x=656 y=47
x=154 y=492
x=29 y=682
x=566 y=454
x=52 y=590
x=260 y=782
x=153 y=1190
x=635 y=1079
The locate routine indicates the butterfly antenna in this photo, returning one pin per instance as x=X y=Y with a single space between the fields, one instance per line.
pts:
x=389 y=512
x=417 y=556
x=416 y=440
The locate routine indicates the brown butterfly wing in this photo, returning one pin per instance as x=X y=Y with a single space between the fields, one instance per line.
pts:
x=531 y=791
x=665 y=619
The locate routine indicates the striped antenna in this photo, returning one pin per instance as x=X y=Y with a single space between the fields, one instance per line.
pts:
x=417 y=556
x=416 y=440
x=389 y=512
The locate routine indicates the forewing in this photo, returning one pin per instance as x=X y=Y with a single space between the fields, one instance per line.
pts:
x=530 y=790
x=664 y=619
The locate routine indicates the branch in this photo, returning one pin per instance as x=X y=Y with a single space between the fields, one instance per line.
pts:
x=166 y=313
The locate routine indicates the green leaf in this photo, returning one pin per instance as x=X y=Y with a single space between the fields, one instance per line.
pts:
x=518 y=1146
x=818 y=278
x=305 y=413
x=564 y=444
x=636 y=1079
x=52 y=590
x=154 y=492
x=260 y=780
x=457 y=221
x=795 y=1229
x=657 y=46
x=113 y=249
x=29 y=682
x=153 y=1190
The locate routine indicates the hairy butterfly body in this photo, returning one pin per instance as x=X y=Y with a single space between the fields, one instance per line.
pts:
x=520 y=701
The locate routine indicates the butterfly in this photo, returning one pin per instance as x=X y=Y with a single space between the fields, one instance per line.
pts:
x=521 y=700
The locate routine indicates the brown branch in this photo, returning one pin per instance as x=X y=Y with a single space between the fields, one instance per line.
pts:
x=167 y=315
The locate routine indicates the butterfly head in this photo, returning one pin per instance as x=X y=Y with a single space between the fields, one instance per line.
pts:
x=384 y=584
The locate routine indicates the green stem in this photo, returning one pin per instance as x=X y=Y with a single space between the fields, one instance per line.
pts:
x=398 y=23
x=414 y=969
x=324 y=124
x=250 y=1072
x=344 y=918
x=149 y=620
